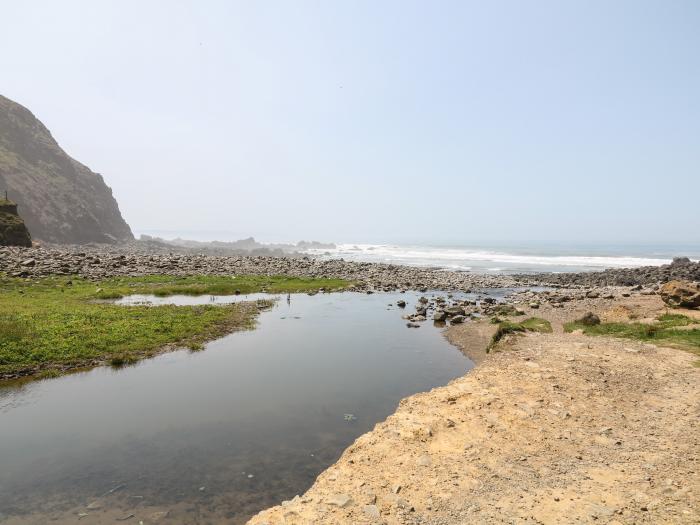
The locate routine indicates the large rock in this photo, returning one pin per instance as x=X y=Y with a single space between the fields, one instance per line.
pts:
x=439 y=315
x=454 y=310
x=680 y=261
x=590 y=319
x=681 y=293
x=13 y=231
x=60 y=199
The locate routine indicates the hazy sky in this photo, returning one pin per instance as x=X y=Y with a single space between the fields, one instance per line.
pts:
x=430 y=121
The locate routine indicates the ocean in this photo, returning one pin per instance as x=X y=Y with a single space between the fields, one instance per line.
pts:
x=532 y=257
x=512 y=259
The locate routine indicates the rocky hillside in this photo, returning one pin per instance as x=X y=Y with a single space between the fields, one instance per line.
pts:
x=61 y=200
x=13 y=231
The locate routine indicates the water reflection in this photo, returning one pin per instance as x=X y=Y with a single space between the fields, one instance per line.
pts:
x=220 y=434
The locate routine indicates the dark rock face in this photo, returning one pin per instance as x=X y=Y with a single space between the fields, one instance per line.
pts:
x=61 y=200
x=13 y=231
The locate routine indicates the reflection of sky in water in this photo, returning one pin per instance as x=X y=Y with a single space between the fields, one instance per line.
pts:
x=269 y=402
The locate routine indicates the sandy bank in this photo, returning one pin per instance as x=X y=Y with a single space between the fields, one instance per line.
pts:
x=558 y=428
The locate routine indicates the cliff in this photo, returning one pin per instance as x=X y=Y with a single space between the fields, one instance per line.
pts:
x=61 y=200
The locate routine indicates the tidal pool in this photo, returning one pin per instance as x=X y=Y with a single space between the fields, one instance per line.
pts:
x=220 y=434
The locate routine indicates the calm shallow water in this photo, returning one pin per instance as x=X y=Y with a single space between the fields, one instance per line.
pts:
x=222 y=433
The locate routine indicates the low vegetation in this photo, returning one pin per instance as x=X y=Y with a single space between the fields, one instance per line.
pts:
x=531 y=324
x=674 y=330
x=58 y=323
x=507 y=310
x=164 y=285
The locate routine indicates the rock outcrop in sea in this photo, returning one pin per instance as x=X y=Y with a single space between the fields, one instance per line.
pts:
x=61 y=200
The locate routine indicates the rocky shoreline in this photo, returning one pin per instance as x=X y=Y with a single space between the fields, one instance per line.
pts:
x=681 y=268
x=135 y=259
x=102 y=262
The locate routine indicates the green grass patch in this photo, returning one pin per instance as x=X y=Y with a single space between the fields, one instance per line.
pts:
x=667 y=330
x=164 y=285
x=531 y=324
x=672 y=320
x=60 y=322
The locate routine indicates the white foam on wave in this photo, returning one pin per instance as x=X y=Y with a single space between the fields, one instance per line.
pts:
x=495 y=261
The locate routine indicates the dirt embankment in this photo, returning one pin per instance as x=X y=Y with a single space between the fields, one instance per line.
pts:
x=555 y=428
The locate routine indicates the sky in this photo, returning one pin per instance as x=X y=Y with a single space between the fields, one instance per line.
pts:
x=375 y=121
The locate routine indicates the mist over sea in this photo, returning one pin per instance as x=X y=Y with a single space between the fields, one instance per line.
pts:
x=522 y=257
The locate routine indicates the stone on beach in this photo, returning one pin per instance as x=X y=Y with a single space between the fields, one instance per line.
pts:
x=454 y=310
x=439 y=315
x=339 y=500
x=681 y=294
x=590 y=319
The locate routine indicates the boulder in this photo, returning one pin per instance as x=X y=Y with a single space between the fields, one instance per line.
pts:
x=454 y=310
x=590 y=319
x=681 y=294
x=680 y=261
x=439 y=315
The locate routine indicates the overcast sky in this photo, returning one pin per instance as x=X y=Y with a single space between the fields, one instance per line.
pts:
x=375 y=120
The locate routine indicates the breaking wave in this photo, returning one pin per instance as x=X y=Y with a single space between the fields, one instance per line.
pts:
x=483 y=260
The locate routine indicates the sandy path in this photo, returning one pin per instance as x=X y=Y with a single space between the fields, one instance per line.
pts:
x=558 y=428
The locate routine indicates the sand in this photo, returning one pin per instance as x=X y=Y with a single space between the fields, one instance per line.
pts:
x=553 y=428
